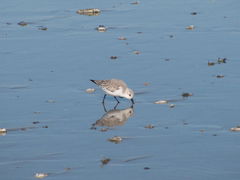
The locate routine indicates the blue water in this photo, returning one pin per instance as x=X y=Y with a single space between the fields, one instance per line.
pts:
x=44 y=74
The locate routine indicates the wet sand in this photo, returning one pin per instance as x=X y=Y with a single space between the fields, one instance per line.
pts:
x=185 y=54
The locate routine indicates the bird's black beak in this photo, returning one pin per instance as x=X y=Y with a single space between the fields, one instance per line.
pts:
x=132 y=101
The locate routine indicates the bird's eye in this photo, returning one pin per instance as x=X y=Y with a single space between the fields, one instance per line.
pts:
x=130 y=95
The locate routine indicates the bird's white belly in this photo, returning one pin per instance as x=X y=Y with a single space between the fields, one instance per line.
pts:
x=117 y=92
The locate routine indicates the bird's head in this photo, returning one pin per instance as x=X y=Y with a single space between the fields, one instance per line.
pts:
x=129 y=94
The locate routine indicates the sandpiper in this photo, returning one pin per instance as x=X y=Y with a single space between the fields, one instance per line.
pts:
x=115 y=88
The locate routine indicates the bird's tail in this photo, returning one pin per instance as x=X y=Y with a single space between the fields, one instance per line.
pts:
x=93 y=81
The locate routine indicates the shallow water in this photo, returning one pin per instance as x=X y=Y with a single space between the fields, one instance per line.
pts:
x=44 y=74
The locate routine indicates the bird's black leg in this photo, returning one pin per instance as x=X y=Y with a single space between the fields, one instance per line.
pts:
x=116 y=105
x=104 y=98
x=116 y=99
x=104 y=107
x=132 y=101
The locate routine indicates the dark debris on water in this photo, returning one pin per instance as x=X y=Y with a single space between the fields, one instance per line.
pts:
x=113 y=57
x=219 y=76
x=218 y=61
x=221 y=60
x=23 y=23
x=186 y=94
x=43 y=28
x=194 y=13
x=105 y=161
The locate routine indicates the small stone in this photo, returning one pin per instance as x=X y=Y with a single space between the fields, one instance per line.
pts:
x=150 y=126
x=67 y=169
x=43 y=28
x=171 y=105
x=190 y=27
x=50 y=101
x=146 y=168
x=136 y=52
x=89 y=12
x=90 y=90
x=211 y=63
x=3 y=131
x=115 y=139
x=161 y=102
x=146 y=83
x=23 y=23
x=235 y=129
x=44 y=126
x=101 y=28
x=41 y=175
x=122 y=38
x=135 y=3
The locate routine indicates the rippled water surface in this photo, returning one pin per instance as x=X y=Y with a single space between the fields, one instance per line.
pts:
x=55 y=127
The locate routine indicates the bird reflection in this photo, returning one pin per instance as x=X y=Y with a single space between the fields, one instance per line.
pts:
x=114 y=117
